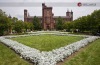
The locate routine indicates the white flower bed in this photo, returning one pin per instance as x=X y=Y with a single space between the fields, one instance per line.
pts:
x=46 y=58
x=60 y=34
x=47 y=32
x=21 y=35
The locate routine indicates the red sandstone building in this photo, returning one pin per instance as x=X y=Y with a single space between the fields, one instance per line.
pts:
x=48 y=19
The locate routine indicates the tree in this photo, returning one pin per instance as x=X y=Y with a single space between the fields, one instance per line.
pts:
x=3 y=22
x=18 y=26
x=90 y=23
x=95 y=16
x=28 y=25
x=3 y=25
x=2 y=13
x=81 y=24
x=14 y=20
x=59 y=23
x=36 y=23
x=10 y=25
x=68 y=25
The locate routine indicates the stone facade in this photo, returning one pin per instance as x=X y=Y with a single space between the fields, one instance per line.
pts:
x=48 y=19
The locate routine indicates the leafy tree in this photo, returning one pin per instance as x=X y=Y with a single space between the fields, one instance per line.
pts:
x=18 y=26
x=59 y=23
x=3 y=25
x=2 y=13
x=95 y=16
x=3 y=22
x=10 y=25
x=68 y=25
x=90 y=23
x=31 y=26
x=14 y=20
x=28 y=25
x=81 y=24
x=36 y=23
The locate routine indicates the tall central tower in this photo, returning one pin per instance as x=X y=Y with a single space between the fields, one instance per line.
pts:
x=47 y=18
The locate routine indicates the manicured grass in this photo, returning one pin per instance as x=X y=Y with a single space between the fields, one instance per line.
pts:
x=8 y=57
x=89 y=56
x=47 y=42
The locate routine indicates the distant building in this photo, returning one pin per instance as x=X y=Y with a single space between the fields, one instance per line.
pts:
x=48 y=19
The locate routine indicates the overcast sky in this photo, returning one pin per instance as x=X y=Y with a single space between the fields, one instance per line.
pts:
x=58 y=10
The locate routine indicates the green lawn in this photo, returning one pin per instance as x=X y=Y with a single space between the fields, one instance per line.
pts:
x=89 y=56
x=47 y=42
x=8 y=57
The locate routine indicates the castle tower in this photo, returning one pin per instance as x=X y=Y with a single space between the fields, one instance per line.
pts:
x=69 y=15
x=25 y=15
x=47 y=17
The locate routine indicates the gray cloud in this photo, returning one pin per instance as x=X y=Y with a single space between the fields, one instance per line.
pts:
x=58 y=11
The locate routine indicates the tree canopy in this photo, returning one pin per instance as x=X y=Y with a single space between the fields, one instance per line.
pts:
x=90 y=23
x=36 y=23
x=59 y=23
x=4 y=22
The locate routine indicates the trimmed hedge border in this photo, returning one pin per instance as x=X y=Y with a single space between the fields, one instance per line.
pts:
x=46 y=58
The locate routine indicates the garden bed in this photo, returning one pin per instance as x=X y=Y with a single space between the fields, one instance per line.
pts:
x=51 y=57
x=47 y=42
